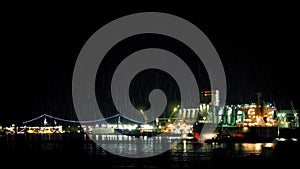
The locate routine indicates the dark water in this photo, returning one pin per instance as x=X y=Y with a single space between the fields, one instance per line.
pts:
x=73 y=150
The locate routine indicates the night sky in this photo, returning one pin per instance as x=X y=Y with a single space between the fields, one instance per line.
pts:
x=40 y=48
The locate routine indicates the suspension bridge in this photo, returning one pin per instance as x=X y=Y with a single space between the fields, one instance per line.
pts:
x=81 y=122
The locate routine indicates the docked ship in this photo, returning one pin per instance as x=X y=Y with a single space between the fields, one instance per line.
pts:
x=140 y=131
x=245 y=123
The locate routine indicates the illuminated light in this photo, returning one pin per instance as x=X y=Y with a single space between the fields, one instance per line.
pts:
x=281 y=139
x=184 y=146
x=197 y=136
x=239 y=135
x=208 y=136
x=120 y=137
x=245 y=129
x=294 y=139
x=269 y=145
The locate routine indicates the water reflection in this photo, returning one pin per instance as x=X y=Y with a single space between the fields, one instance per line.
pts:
x=131 y=146
x=189 y=152
x=95 y=145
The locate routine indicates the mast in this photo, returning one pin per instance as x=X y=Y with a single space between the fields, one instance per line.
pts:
x=294 y=111
x=259 y=104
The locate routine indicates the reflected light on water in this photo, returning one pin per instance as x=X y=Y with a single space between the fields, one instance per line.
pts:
x=184 y=146
x=130 y=144
x=252 y=146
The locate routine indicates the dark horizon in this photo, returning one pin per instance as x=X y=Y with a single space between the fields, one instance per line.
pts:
x=40 y=56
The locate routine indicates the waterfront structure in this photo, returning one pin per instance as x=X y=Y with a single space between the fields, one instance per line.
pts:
x=181 y=119
x=288 y=118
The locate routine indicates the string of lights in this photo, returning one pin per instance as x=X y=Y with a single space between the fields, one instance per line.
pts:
x=36 y=118
x=81 y=122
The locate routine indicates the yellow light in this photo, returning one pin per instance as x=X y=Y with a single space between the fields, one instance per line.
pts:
x=176 y=108
x=245 y=129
